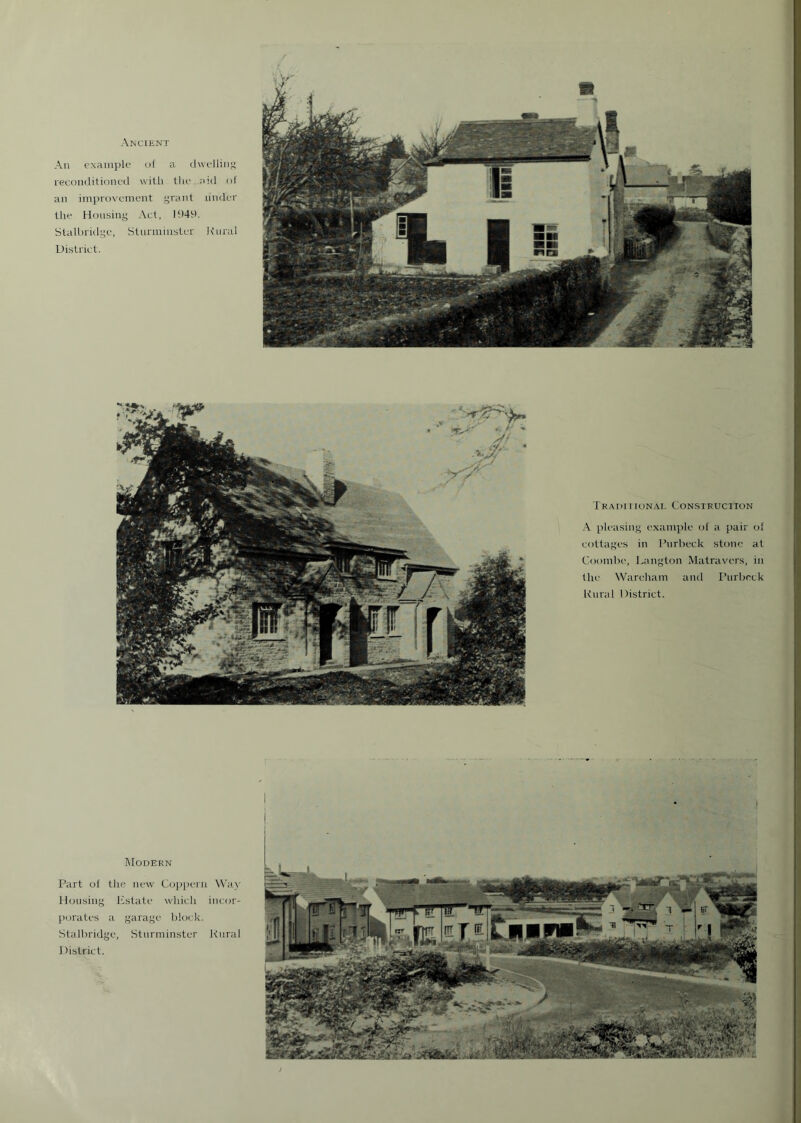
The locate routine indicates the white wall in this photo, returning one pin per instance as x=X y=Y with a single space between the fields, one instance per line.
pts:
x=568 y=193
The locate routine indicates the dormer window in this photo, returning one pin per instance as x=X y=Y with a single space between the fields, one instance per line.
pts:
x=384 y=567
x=342 y=561
x=173 y=556
x=499 y=182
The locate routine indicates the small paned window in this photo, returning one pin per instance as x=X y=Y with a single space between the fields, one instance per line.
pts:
x=342 y=561
x=429 y=912
x=332 y=907
x=478 y=929
x=546 y=239
x=315 y=910
x=374 y=619
x=448 y=910
x=173 y=556
x=499 y=182
x=383 y=567
x=392 y=618
x=401 y=226
x=448 y=929
x=265 y=620
x=276 y=928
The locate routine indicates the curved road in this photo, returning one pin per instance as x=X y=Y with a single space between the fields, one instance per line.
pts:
x=579 y=993
x=662 y=302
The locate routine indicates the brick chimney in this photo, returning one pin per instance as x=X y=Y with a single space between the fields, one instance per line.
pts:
x=631 y=150
x=612 y=134
x=682 y=883
x=320 y=472
x=632 y=883
x=587 y=113
x=664 y=882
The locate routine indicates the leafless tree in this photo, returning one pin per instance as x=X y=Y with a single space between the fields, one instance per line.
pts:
x=432 y=139
x=493 y=429
x=306 y=159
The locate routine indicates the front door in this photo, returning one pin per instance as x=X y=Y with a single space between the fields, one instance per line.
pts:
x=498 y=243
x=328 y=616
x=416 y=234
x=431 y=618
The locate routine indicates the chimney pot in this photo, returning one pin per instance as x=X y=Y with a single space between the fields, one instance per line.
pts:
x=321 y=473
x=308 y=870
x=586 y=88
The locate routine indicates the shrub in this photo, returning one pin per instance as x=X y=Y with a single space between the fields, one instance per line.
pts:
x=657 y=956
x=529 y=307
x=730 y=197
x=743 y=952
x=653 y=218
x=691 y=214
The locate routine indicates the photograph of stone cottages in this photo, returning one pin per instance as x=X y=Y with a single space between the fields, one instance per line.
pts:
x=564 y=205
x=417 y=933
x=321 y=554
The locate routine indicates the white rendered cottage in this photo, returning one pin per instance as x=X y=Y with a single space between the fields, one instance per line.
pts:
x=507 y=195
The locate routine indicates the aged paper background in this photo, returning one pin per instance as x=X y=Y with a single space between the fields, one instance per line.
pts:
x=165 y=1036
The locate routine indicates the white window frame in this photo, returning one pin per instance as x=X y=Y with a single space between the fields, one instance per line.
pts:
x=392 y=621
x=448 y=910
x=400 y=914
x=401 y=226
x=478 y=929
x=386 y=562
x=549 y=235
x=374 y=608
x=501 y=190
x=342 y=560
x=266 y=607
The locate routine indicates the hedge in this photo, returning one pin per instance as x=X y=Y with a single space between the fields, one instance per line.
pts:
x=720 y=233
x=527 y=308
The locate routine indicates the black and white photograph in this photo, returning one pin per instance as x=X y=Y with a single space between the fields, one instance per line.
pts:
x=581 y=197
x=510 y=908
x=321 y=554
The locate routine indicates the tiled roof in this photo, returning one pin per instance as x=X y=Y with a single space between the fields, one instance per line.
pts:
x=281 y=512
x=652 y=894
x=693 y=186
x=275 y=885
x=418 y=585
x=554 y=138
x=640 y=914
x=648 y=175
x=406 y=895
x=501 y=901
x=318 y=889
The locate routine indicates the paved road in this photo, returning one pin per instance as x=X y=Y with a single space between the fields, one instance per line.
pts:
x=657 y=303
x=577 y=993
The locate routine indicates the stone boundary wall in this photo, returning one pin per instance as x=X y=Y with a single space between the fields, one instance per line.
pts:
x=721 y=233
x=527 y=308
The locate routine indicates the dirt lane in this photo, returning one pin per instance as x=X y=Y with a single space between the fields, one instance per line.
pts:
x=657 y=303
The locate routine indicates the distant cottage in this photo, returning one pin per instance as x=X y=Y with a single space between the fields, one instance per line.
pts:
x=668 y=911
x=328 y=910
x=279 y=916
x=512 y=194
x=310 y=571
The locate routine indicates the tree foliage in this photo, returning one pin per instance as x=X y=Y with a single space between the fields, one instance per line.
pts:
x=730 y=197
x=491 y=429
x=433 y=139
x=492 y=645
x=157 y=610
x=653 y=218
x=744 y=954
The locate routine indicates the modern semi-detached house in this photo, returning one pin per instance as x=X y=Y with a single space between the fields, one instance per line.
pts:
x=429 y=912
x=308 y=570
x=668 y=911
x=512 y=194
x=328 y=910
x=279 y=916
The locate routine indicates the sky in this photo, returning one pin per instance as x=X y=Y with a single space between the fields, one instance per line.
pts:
x=502 y=818
x=390 y=443
x=679 y=103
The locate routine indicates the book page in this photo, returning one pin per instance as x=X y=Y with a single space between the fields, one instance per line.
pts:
x=624 y=749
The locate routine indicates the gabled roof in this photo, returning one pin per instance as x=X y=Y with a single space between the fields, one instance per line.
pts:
x=280 y=511
x=647 y=175
x=418 y=585
x=651 y=895
x=553 y=138
x=275 y=885
x=318 y=889
x=501 y=901
x=406 y=895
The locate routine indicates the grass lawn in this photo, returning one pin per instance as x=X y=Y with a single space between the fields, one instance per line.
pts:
x=395 y=686
x=296 y=311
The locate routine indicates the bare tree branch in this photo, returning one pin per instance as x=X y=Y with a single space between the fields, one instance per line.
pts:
x=500 y=427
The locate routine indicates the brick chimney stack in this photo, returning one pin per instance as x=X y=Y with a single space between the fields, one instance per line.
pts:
x=612 y=134
x=320 y=471
x=587 y=114
x=631 y=150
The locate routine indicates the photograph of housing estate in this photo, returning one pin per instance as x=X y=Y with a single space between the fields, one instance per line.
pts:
x=414 y=931
x=579 y=200
x=261 y=561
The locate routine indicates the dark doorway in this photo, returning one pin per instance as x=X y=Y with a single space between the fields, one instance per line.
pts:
x=431 y=616
x=416 y=233
x=515 y=931
x=498 y=243
x=328 y=617
x=463 y=933
x=358 y=636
